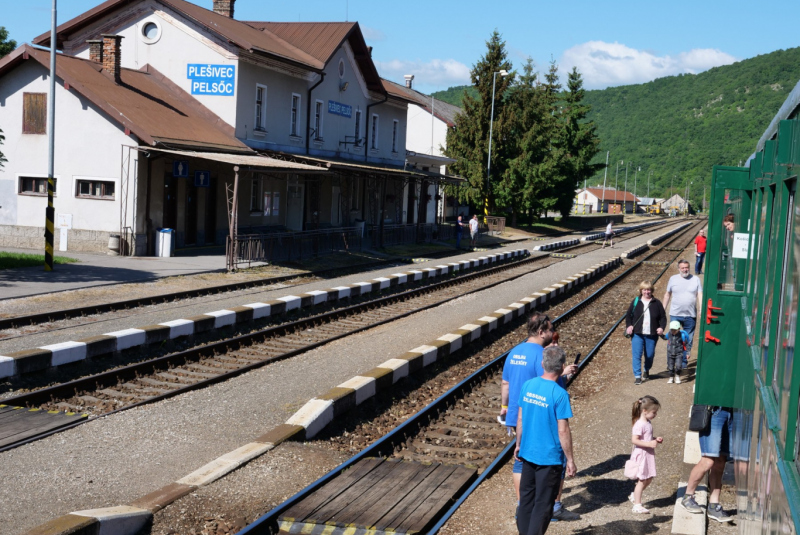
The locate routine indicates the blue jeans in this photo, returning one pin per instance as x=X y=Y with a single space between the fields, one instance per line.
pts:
x=688 y=324
x=458 y=240
x=715 y=441
x=643 y=343
x=698 y=265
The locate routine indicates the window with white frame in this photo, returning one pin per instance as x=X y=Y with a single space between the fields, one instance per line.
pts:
x=373 y=144
x=357 y=132
x=95 y=189
x=35 y=185
x=318 y=120
x=295 y=114
x=260 y=124
x=395 y=125
x=255 y=195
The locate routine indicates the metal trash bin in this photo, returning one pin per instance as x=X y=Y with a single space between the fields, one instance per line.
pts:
x=164 y=237
x=359 y=224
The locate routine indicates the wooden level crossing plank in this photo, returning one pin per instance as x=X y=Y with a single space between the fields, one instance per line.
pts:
x=24 y=423
x=379 y=497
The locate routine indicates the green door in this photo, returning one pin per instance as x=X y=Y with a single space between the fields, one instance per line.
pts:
x=729 y=248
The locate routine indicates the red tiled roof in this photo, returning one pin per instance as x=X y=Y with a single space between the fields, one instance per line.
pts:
x=611 y=194
x=149 y=108
x=237 y=32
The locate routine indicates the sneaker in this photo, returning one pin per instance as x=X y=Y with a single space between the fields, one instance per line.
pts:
x=690 y=505
x=563 y=514
x=630 y=497
x=638 y=381
x=645 y=376
x=677 y=379
x=715 y=512
x=670 y=380
x=639 y=509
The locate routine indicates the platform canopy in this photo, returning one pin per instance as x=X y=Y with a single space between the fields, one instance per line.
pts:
x=251 y=161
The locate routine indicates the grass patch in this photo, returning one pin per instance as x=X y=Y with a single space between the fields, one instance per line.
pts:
x=17 y=260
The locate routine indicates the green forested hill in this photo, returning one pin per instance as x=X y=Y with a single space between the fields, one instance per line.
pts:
x=683 y=125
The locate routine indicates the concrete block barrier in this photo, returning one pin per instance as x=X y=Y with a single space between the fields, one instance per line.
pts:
x=556 y=245
x=621 y=230
x=630 y=253
x=667 y=234
x=41 y=358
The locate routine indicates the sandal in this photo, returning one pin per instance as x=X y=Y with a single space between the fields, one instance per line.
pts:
x=639 y=509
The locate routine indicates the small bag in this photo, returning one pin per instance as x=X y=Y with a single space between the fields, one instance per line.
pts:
x=632 y=469
x=700 y=418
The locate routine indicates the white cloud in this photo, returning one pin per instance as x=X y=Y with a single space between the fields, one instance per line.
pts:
x=428 y=76
x=609 y=64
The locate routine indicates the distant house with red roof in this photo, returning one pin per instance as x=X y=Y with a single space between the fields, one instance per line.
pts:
x=608 y=200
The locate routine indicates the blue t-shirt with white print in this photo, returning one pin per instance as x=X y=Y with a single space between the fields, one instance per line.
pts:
x=543 y=403
x=524 y=362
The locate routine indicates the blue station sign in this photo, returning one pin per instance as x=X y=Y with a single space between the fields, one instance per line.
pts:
x=337 y=108
x=207 y=79
x=202 y=179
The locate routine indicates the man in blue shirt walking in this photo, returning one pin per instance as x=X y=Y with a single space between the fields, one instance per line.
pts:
x=544 y=443
x=524 y=362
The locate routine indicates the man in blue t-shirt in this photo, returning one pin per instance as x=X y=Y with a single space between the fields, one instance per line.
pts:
x=544 y=443
x=524 y=362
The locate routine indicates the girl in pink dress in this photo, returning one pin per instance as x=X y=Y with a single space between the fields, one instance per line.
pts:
x=644 y=447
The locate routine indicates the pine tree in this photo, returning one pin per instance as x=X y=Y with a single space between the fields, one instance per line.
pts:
x=578 y=144
x=529 y=130
x=468 y=142
x=6 y=45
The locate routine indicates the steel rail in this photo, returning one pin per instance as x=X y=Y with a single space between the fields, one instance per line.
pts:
x=267 y=523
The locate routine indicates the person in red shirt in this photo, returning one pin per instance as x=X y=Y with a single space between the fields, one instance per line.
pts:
x=700 y=252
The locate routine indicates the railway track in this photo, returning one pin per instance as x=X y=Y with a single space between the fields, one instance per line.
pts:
x=41 y=322
x=458 y=430
x=173 y=374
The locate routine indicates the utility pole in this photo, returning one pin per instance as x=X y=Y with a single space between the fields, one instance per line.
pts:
x=648 y=181
x=616 y=181
x=625 y=201
x=50 y=211
x=603 y=202
x=704 y=199
x=635 y=175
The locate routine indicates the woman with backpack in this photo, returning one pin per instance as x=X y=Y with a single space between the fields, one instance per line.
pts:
x=644 y=322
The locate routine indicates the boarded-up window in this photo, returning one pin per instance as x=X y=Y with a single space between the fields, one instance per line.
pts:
x=34 y=113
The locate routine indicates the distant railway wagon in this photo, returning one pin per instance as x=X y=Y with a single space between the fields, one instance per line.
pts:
x=749 y=322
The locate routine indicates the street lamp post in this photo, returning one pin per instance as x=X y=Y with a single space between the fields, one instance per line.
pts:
x=648 y=181
x=503 y=73
x=635 y=201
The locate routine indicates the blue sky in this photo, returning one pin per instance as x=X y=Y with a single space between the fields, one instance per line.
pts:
x=612 y=42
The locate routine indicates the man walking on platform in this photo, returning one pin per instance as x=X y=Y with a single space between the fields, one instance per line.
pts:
x=459 y=231
x=686 y=292
x=544 y=443
x=473 y=230
x=700 y=252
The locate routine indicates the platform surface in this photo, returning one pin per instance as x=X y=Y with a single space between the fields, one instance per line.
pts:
x=384 y=496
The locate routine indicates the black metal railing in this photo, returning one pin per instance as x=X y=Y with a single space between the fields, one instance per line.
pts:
x=290 y=246
x=398 y=234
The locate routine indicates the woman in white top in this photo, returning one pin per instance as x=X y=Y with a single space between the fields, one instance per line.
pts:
x=645 y=322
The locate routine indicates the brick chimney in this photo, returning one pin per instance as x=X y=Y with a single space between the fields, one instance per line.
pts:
x=96 y=50
x=224 y=7
x=409 y=79
x=112 y=55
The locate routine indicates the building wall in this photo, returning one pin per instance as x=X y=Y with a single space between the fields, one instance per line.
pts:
x=87 y=146
x=419 y=137
x=180 y=43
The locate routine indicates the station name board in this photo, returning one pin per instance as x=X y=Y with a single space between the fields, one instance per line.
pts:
x=337 y=108
x=207 y=79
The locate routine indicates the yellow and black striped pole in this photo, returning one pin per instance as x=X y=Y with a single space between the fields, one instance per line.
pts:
x=50 y=213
